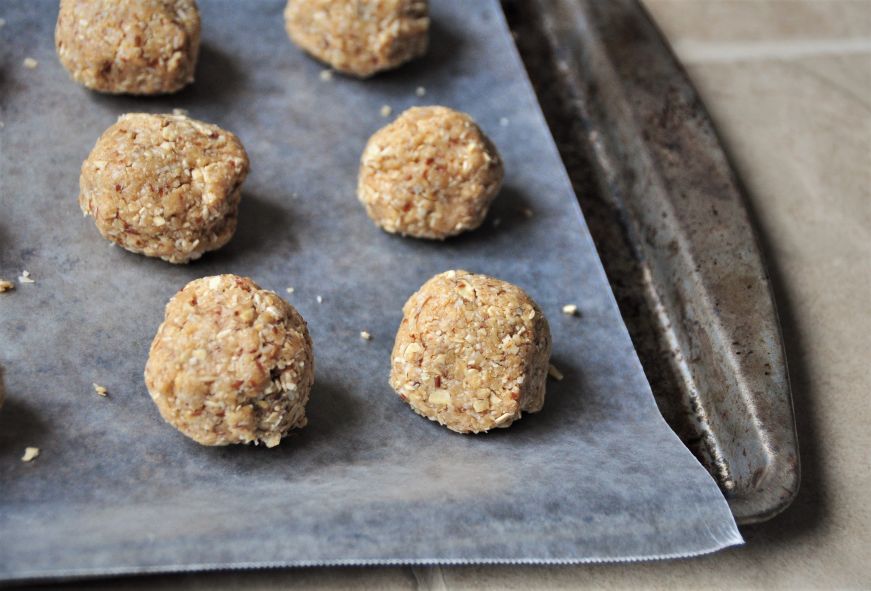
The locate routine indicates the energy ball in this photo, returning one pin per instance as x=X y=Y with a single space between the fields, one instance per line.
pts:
x=432 y=173
x=231 y=363
x=164 y=185
x=359 y=38
x=132 y=47
x=471 y=352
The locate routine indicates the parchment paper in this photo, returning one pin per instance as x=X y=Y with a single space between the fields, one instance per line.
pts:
x=597 y=475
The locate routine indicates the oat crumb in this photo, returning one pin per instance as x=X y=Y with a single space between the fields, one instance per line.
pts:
x=6 y=285
x=25 y=277
x=326 y=75
x=30 y=454
x=570 y=310
x=386 y=110
x=420 y=91
x=320 y=299
x=30 y=63
x=553 y=372
x=365 y=335
x=289 y=290
x=503 y=121
x=100 y=390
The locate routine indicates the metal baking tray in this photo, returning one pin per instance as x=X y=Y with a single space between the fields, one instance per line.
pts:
x=670 y=222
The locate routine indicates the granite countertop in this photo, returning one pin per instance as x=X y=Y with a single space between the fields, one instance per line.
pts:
x=788 y=85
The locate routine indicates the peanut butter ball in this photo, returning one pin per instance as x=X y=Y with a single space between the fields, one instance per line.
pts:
x=130 y=47
x=164 y=185
x=231 y=363
x=471 y=352
x=359 y=38
x=432 y=173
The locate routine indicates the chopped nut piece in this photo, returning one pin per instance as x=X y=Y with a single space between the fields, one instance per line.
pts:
x=289 y=290
x=365 y=335
x=481 y=405
x=553 y=372
x=420 y=91
x=439 y=397
x=570 y=310
x=6 y=285
x=100 y=390
x=25 y=277
x=386 y=110
x=30 y=63
x=30 y=454
x=326 y=75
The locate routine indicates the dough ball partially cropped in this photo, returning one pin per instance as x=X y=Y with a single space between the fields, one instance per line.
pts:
x=471 y=352
x=432 y=173
x=164 y=185
x=132 y=47
x=231 y=363
x=359 y=38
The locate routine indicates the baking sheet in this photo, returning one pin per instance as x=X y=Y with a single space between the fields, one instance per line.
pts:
x=597 y=475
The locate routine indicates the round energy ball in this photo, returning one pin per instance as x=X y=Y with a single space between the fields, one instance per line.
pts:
x=133 y=47
x=471 y=352
x=164 y=185
x=231 y=363
x=432 y=173
x=359 y=38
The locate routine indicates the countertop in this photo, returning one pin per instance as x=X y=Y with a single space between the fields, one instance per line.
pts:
x=788 y=84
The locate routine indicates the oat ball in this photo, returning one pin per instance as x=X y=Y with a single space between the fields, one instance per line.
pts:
x=359 y=38
x=164 y=185
x=432 y=173
x=231 y=363
x=471 y=352
x=132 y=47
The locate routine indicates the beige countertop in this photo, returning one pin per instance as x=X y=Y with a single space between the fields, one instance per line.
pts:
x=788 y=84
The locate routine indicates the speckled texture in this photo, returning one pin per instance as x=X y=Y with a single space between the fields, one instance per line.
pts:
x=130 y=47
x=471 y=352
x=432 y=173
x=595 y=475
x=231 y=363
x=165 y=186
x=359 y=38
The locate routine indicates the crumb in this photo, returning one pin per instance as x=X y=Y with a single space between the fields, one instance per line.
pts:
x=30 y=454
x=365 y=335
x=289 y=290
x=553 y=372
x=25 y=277
x=527 y=213
x=6 y=285
x=30 y=63
x=320 y=299
x=2 y=22
x=420 y=91
x=326 y=75
x=100 y=390
x=180 y=112
x=496 y=222
x=503 y=121
x=386 y=110
x=570 y=310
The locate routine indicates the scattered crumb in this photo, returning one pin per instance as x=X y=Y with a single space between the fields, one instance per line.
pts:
x=320 y=299
x=386 y=110
x=2 y=125
x=30 y=63
x=421 y=91
x=570 y=310
x=2 y=22
x=100 y=390
x=289 y=290
x=25 y=277
x=553 y=372
x=496 y=222
x=365 y=335
x=527 y=213
x=503 y=121
x=30 y=454
x=180 y=112
x=326 y=75
x=6 y=285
